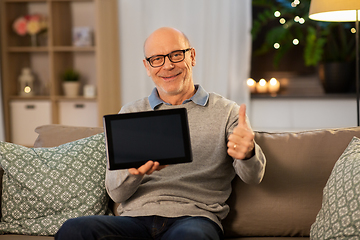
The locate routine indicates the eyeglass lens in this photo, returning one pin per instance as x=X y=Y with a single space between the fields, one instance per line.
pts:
x=176 y=56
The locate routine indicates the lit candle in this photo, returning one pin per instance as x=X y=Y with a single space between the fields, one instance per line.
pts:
x=274 y=85
x=262 y=86
x=251 y=85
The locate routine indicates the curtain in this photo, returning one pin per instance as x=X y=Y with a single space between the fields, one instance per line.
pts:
x=218 y=30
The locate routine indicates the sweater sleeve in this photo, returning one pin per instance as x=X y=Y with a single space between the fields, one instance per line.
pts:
x=121 y=185
x=252 y=170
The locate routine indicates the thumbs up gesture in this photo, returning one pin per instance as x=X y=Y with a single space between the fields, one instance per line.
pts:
x=241 y=141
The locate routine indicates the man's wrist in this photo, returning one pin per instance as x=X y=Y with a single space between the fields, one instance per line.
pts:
x=250 y=154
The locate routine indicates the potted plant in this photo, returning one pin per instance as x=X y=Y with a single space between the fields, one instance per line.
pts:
x=287 y=23
x=337 y=65
x=71 y=84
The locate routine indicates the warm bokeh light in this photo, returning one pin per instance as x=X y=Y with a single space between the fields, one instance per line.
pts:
x=251 y=85
x=274 y=85
x=277 y=14
x=262 y=86
x=282 y=20
x=250 y=82
x=276 y=45
x=27 y=89
x=296 y=41
x=273 y=81
x=262 y=82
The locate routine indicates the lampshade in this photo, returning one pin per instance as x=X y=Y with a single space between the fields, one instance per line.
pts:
x=334 y=10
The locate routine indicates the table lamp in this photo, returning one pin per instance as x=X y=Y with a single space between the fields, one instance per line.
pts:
x=340 y=11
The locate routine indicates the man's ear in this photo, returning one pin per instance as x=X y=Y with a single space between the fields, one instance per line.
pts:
x=193 y=54
x=147 y=67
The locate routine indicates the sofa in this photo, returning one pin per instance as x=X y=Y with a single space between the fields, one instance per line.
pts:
x=283 y=206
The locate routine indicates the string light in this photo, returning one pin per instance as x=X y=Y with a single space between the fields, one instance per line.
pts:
x=353 y=30
x=299 y=20
x=282 y=21
x=296 y=41
x=295 y=3
x=277 y=14
x=276 y=45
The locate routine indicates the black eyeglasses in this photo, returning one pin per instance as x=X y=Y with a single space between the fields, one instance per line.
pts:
x=174 y=57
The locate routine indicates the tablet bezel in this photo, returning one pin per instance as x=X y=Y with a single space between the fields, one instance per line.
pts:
x=115 y=165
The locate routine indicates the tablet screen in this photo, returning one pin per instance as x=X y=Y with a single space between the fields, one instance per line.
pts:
x=132 y=139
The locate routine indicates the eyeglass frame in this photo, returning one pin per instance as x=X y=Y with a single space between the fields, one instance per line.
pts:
x=167 y=55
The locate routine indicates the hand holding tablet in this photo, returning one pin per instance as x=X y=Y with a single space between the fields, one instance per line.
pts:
x=148 y=168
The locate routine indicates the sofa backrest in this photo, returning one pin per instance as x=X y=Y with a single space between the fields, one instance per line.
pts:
x=290 y=195
x=288 y=199
x=54 y=134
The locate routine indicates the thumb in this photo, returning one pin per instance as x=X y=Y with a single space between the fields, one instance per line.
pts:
x=242 y=115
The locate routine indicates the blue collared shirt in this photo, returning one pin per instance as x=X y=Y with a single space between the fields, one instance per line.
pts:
x=201 y=97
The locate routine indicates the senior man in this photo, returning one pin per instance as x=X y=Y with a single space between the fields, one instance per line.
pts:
x=181 y=201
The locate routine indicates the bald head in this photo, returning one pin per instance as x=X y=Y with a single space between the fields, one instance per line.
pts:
x=165 y=37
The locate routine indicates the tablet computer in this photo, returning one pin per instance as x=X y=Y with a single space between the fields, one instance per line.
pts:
x=132 y=139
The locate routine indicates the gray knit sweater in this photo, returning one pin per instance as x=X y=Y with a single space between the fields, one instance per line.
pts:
x=199 y=188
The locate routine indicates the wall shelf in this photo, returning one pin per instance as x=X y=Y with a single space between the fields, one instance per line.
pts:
x=97 y=63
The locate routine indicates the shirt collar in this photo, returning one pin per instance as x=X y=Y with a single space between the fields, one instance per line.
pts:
x=201 y=97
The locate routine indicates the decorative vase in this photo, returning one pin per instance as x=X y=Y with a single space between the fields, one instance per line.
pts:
x=71 y=89
x=337 y=77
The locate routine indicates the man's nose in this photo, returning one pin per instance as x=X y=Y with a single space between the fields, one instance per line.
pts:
x=168 y=63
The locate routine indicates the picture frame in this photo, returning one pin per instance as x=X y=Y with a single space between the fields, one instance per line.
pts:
x=82 y=36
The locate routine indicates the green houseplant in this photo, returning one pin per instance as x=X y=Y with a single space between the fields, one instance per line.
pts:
x=71 y=82
x=322 y=43
x=71 y=75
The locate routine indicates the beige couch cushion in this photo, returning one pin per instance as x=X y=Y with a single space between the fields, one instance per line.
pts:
x=290 y=196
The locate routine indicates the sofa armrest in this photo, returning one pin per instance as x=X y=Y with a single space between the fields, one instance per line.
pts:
x=55 y=134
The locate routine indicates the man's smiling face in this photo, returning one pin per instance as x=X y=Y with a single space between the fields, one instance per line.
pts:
x=171 y=79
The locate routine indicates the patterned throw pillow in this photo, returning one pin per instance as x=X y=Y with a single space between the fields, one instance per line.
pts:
x=43 y=187
x=339 y=216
